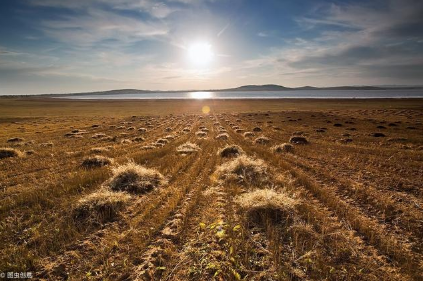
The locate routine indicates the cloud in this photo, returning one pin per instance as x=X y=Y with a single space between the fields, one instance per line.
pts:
x=359 y=40
x=99 y=25
x=393 y=18
x=154 y=8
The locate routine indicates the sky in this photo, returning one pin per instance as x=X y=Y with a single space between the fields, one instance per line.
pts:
x=59 y=46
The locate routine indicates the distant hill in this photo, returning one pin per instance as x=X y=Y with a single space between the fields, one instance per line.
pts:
x=113 y=92
x=269 y=87
x=248 y=88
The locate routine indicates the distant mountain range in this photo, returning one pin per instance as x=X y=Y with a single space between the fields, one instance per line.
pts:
x=272 y=87
x=249 y=88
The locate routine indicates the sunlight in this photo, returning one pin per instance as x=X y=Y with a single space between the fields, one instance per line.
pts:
x=205 y=109
x=201 y=95
x=200 y=53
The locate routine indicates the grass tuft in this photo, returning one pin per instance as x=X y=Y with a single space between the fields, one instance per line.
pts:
x=285 y=147
x=298 y=140
x=9 y=152
x=188 y=148
x=230 y=151
x=134 y=178
x=244 y=170
x=100 y=207
x=266 y=202
x=96 y=162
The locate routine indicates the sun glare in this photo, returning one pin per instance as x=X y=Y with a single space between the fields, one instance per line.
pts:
x=201 y=95
x=200 y=53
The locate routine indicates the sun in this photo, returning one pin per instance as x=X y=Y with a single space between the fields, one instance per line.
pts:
x=200 y=53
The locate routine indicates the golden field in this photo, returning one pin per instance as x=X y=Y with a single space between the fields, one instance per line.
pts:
x=160 y=190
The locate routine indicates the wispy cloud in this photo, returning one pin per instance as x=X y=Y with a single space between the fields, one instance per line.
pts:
x=366 y=41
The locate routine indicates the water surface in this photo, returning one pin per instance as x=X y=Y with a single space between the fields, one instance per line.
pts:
x=317 y=94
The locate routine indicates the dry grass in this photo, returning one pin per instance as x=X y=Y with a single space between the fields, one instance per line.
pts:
x=100 y=207
x=245 y=170
x=230 y=151
x=298 y=140
x=96 y=162
x=262 y=140
x=223 y=136
x=188 y=148
x=328 y=212
x=249 y=135
x=256 y=205
x=9 y=152
x=135 y=179
x=201 y=134
x=99 y=149
x=15 y=140
x=285 y=147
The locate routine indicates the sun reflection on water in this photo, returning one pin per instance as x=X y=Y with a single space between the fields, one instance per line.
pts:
x=201 y=95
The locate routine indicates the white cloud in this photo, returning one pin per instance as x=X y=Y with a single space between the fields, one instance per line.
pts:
x=97 y=25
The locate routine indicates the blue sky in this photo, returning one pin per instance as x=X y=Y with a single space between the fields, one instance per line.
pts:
x=57 y=46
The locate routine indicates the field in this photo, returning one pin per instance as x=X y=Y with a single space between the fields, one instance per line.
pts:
x=144 y=190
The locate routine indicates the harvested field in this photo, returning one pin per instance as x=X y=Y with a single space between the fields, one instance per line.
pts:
x=190 y=197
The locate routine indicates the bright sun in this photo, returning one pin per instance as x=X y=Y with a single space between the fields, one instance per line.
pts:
x=200 y=53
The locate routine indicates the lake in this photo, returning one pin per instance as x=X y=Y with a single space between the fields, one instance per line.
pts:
x=315 y=94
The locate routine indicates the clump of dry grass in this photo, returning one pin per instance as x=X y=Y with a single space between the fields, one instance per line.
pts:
x=9 y=152
x=76 y=133
x=148 y=147
x=298 y=140
x=223 y=136
x=134 y=178
x=201 y=134
x=125 y=141
x=230 y=151
x=47 y=144
x=259 y=204
x=188 y=148
x=28 y=152
x=99 y=136
x=262 y=140
x=285 y=147
x=249 y=134
x=244 y=170
x=99 y=149
x=162 y=141
x=100 y=207
x=138 y=139
x=169 y=137
x=156 y=144
x=378 y=135
x=96 y=162
x=15 y=140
